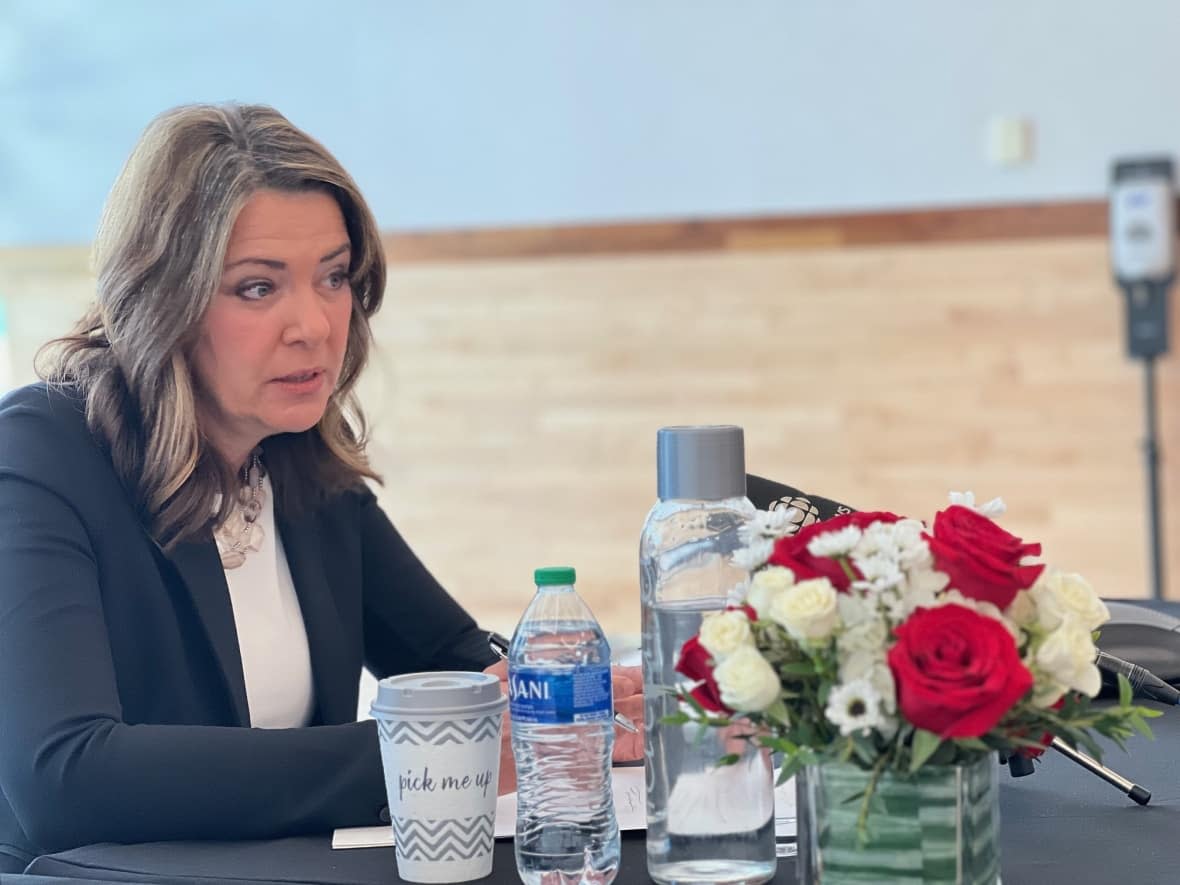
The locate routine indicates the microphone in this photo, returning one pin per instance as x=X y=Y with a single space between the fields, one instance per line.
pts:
x=1143 y=682
x=766 y=494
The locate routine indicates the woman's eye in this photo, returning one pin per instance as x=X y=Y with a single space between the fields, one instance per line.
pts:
x=255 y=290
x=337 y=279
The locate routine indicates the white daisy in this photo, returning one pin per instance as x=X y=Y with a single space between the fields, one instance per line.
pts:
x=877 y=540
x=753 y=556
x=880 y=571
x=838 y=543
x=769 y=524
x=920 y=590
x=991 y=509
x=858 y=606
x=855 y=707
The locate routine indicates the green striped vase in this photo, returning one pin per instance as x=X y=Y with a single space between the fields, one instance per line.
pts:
x=938 y=827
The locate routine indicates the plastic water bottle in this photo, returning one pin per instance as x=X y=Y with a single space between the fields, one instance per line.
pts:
x=559 y=695
x=705 y=823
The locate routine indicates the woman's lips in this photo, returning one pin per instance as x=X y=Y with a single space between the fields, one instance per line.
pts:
x=304 y=381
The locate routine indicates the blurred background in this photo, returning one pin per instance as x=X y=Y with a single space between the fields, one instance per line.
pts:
x=872 y=234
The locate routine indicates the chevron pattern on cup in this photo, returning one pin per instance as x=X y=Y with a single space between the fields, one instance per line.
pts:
x=459 y=838
x=457 y=731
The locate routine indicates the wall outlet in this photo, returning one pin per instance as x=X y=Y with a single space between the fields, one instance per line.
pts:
x=1009 y=141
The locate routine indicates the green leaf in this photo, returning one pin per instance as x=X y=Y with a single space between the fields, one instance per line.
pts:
x=729 y=759
x=864 y=750
x=944 y=755
x=925 y=743
x=791 y=767
x=777 y=712
x=797 y=668
x=1125 y=691
x=1142 y=727
x=972 y=744
x=779 y=744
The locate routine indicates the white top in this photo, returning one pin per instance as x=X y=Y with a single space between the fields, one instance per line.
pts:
x=271 y=635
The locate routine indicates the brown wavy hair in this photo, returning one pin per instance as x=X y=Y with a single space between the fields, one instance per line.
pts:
x=158 y=256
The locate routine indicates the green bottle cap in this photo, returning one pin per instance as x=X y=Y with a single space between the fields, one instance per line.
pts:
x=554 y=576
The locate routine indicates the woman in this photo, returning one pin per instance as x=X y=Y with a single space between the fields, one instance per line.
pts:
x=193 y=569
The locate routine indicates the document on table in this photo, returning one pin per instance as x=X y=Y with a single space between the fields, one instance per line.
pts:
x=630 y=809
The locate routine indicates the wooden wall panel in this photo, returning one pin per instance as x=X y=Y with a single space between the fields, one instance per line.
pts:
x=515 y=402
x=928 y=225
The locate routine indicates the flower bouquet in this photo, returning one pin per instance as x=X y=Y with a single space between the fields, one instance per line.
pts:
x=877 y=654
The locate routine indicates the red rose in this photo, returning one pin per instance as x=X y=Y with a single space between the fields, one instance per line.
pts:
x=791 y=552
x=957 y=671
x=982 y=560
x=694 y=663
x=748 y=610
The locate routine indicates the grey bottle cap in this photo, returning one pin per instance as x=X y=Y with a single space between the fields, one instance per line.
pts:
x=701 y=463
x=447 y=691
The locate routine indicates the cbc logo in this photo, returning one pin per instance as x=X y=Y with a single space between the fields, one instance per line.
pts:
x=805 y=512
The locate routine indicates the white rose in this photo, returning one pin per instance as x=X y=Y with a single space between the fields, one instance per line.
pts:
x=808 y=610
x=1046 y=692
x=747 y=682
x=1022 y=611
x=723 y=633
x=765 y=584
x=1067 y=657
x=1059 y=596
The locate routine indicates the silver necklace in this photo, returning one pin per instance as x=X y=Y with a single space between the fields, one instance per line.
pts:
x=240 y=533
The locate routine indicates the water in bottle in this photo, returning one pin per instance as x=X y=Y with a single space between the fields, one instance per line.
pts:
x=705 y=823
x=561 y=709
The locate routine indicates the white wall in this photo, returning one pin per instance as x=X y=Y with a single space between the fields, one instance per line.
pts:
x=466 y=112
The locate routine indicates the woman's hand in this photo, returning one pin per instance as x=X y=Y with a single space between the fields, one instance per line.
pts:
x=627 y=686
x=507 y=765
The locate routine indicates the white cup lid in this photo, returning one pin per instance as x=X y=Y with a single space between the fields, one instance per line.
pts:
x=444 y=691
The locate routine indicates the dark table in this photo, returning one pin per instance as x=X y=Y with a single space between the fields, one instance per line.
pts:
x=1059 y=825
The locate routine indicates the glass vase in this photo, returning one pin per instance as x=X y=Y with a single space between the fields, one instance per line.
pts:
x=940 y=826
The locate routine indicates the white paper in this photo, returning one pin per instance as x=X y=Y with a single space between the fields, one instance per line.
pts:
x=363 y=837
x=630 y=809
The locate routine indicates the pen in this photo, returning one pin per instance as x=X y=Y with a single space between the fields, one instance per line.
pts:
x=499 y=644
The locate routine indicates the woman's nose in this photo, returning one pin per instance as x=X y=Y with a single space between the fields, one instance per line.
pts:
x=307 y=318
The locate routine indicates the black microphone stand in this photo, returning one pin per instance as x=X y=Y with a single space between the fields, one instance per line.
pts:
x=1022 y=766
x=1144 y=683
x=1143 y=258
x=1151 y=453
x=1147 y=339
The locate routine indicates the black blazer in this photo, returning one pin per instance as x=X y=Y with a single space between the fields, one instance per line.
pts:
x=123 y=713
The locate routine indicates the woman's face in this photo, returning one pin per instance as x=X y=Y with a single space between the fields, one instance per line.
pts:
x=272 y=342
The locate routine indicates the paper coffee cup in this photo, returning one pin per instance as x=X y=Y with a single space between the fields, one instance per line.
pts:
x=440 y=749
